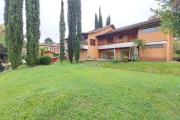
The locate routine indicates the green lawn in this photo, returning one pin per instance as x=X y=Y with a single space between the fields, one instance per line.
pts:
x=77 y=92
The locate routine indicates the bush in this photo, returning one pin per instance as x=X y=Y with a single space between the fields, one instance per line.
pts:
x=56 y=55
x=125 y=58
x=178 y=51
x=44 y=60
x=114 y=60
x=135 y=58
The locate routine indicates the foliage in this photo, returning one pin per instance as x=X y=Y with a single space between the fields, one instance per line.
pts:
x=42 y=49
x=176 y=45
x=139 y=44
x=32 y=31
x=168 y=12
x=3 y=53
x=74 y=25
x=100 y=18
x=2 y=30
x=62 y=29
x=115 y=60
x=48 y=41
x=102 y=93
x=135 y=58
x=108 y=20
x=14 y=31
x=44 y=60
x=178 y=51
x=125 y=58
x=78 y=38
x=96 y=22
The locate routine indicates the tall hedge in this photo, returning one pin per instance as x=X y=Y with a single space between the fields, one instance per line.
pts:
x=62 y=29
x=14 y=31
x=32 y=31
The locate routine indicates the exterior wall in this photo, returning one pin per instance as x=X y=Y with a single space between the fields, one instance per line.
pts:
x=93 y=50
x=154 y=54
x=48 y=54
x=118 y=53
x=83 y=55
x=118 y=40
x=152 y=36
x=157 y=54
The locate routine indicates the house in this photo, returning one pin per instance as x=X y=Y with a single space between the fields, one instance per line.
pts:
x=108 y=41
x=89 y=46
x=50 y=49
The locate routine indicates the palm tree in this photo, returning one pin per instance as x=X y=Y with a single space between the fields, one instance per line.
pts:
x=42 y=49
x=139 y=44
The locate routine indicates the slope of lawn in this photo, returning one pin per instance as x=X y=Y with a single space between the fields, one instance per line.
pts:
x=77 y=92
x=166 y=68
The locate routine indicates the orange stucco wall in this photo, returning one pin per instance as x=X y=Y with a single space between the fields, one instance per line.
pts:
x=93 y=50
x=157 y=54
x=83 y=55
x=48 y=54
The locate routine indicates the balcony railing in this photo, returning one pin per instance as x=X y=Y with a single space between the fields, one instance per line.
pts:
x=115 y=42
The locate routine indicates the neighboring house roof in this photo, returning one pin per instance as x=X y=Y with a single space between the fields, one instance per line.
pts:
x=48 y=45
x=134 y=26
x=93 y=31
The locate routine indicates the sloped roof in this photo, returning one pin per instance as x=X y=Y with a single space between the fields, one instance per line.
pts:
x=99 y=29
x=134 y=26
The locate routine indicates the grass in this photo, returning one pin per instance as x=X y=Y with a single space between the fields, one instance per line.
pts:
x=77 y=92
x=166 y=68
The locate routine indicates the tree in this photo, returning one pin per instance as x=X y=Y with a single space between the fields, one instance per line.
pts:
x=100 y=19
x=42 y=49
x=108 y=20
x=48 y=41
x=139 y=44
x=169 y=15
x=78 y=31
x=72 y=28
x=96 y=22
x=32 y=31
x=62 y=29
x=14 y=30
x=6 y=12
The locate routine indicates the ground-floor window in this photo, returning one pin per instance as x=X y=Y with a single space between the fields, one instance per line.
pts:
x=107 y=54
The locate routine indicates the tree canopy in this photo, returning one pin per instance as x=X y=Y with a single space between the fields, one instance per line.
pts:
x=169 y=13
x=48 y=41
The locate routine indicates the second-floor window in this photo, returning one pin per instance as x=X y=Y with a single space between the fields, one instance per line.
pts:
x=132 y=37
x=147 y=30
x=92 y=42
x=109 y=40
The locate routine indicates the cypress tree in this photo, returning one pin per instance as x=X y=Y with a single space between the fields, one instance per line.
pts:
x=100 y=19
x=72 y=28
x=32 y=31
x=6 y=12
x=78 y=30
x=108 y=21
x=96 y=22
x=15 y=32
x=62 y=29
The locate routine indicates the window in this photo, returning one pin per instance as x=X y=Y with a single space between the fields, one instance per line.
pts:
x=155 y=46
x=92 y=42
x=132 y=37
x=110 y=41
x=147 y=30
x=121 y=37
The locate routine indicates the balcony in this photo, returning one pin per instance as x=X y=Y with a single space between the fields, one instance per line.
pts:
x=115 y=45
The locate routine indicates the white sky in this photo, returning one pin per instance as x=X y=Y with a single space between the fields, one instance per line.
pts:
x=122 y=12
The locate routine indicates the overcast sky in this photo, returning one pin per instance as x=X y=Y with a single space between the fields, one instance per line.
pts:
x=122 y=12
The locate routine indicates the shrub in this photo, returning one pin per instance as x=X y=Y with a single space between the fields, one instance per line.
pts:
x=178 y=51
x=125 y=58
x=114 y=60
x=135 y=58
x=44 y=60
x=56 y=55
